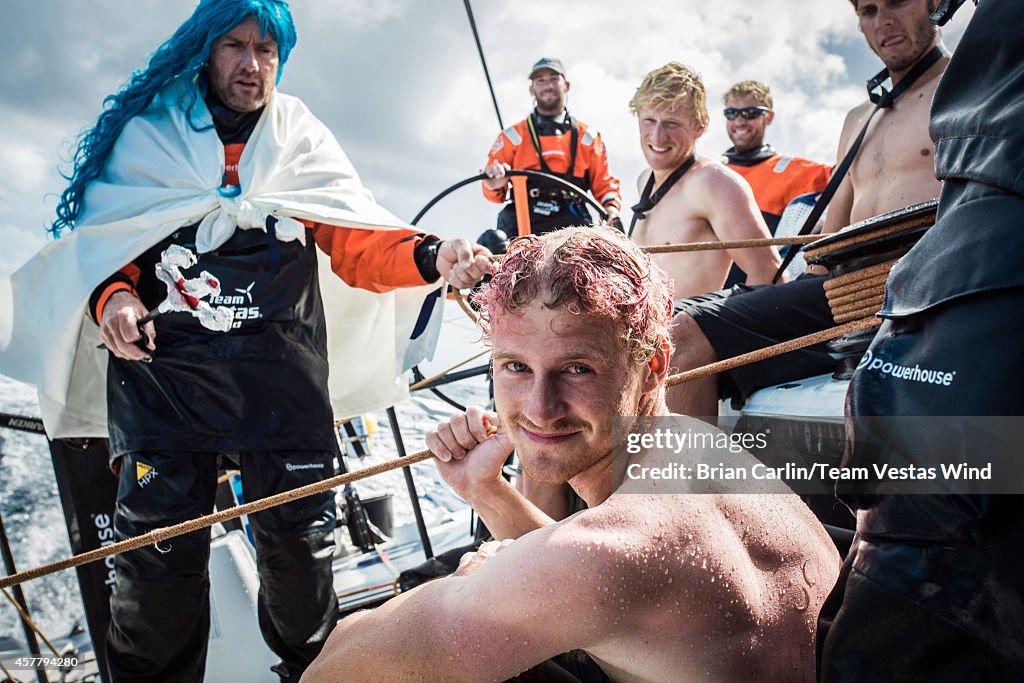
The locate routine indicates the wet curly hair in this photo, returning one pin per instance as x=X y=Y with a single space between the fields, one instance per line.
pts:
x=586 y=271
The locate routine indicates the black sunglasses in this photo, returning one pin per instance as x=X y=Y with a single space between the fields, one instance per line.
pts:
x=747 y=112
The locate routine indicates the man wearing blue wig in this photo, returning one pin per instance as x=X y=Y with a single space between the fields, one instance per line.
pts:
x=199 y=164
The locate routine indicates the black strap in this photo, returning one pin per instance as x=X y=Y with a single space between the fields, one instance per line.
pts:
x=273 y=247
x=648 y=201
x=945 y=11
x=882 y=100
x=574 y=127
x=24 y=424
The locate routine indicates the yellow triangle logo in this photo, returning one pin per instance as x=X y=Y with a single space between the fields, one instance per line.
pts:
x=141 y=470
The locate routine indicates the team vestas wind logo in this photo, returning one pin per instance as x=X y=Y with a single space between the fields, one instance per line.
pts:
x=870 y=363
x=144 y=473
x=241 y=303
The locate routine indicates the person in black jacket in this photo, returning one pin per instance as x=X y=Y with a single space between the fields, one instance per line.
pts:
x=932 y=588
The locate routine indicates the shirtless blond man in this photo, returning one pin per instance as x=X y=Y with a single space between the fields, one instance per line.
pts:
x=708 y=202
x=894 y=169
x=650 y=586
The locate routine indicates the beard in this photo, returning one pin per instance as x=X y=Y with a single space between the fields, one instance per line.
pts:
x=923 y=35
x=224 y=88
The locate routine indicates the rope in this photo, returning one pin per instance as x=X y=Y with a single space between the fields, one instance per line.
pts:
x=858 y=304
x=732 y=244
x=770 y=351
x=855 y=293
x=165 y=533
x=28 y=620
x=858 y=294
x=157 y=535
x=848 y=241
x=483 y=62
x=861 y=275
x=856 y=314
x=464 y=305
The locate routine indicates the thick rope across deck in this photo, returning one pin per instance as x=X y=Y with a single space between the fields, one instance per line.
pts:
x=717 y=245
x=165 y=533
x=157 y=535
x=771 y=351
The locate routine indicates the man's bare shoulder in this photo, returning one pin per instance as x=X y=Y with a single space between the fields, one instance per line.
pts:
x=856 y=117
x=711 y=177
x=627 y=531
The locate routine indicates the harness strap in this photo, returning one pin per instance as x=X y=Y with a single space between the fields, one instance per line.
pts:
x=574 y=128
x=882 y=100
x=648 y=201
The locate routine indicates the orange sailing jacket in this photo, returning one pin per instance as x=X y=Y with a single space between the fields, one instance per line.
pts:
x=778 y=180
x=514 y=147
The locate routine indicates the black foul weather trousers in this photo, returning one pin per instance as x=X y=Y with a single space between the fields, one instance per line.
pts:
x=160 y=607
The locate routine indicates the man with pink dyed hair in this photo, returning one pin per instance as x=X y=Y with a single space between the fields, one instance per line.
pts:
x=657 y=580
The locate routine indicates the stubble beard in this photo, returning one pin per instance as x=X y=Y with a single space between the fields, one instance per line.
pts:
x=242 y=103
x=926 y=36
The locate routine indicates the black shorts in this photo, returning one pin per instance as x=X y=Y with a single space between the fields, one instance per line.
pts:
x=569 y=667
x=743 y=319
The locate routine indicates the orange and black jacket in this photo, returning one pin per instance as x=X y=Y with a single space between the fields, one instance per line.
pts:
x=515 y=146
x=374 y=260
x=777 y=180
x=262 y=384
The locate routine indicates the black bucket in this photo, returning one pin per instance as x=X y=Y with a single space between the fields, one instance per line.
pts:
x=380 y=512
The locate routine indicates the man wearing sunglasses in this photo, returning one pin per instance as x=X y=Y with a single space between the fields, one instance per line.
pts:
x=775 y=179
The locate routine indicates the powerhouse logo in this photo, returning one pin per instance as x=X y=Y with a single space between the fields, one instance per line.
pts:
x=906 y=373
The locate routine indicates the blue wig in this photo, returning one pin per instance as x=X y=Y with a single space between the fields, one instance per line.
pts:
x=182 y=55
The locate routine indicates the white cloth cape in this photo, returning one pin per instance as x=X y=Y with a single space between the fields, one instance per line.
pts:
x=162 y=175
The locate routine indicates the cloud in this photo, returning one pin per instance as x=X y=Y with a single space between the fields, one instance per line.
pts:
x=401 y=85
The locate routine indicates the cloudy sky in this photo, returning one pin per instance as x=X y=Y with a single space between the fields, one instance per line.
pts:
x=400 y=83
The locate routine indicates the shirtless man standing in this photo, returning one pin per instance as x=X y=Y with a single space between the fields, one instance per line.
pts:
x=894 y=169
x=688 y=198
x=650 y=585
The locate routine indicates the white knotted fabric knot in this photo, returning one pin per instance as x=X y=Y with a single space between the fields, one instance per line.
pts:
x=219 y=225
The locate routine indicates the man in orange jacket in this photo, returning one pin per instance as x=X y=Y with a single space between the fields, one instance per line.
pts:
x=775 y=179
x=553 y=141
